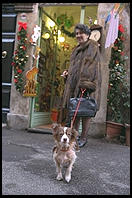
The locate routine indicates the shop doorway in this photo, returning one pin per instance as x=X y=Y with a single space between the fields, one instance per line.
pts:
x=57 y=42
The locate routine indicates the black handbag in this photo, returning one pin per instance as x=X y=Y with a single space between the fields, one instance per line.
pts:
x=87 y=108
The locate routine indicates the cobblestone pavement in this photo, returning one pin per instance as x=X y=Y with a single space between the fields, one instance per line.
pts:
x=101 y=168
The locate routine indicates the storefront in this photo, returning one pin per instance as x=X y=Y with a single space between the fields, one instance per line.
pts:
x=56 y=44
x=54 y=47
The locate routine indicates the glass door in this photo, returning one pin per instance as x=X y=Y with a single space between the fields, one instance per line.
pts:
x=48 y=78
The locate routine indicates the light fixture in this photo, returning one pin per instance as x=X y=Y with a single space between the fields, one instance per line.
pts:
x=59 y=32
x=61 y=39
x=95 y=22
x=46 y=35
x=51 y=23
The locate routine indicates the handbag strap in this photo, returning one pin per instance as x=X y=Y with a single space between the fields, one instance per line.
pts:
x=74 y=117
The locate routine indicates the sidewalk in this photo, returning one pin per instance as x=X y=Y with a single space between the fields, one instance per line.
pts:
x=101 y=168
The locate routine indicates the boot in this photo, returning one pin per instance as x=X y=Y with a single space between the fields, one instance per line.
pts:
x=77 y=123
x=85 y=127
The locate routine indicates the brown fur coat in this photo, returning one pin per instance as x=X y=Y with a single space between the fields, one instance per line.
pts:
x=84 y=72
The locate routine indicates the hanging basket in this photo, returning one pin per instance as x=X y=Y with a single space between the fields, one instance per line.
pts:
x=113 y=129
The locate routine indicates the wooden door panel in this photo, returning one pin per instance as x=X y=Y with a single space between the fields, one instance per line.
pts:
x=8 y=39
x=10 y=21
x=8 y=46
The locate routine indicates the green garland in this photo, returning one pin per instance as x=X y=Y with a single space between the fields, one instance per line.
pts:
x=20 y=58
x=67 y=32
x=118 y=92
x=67 y=22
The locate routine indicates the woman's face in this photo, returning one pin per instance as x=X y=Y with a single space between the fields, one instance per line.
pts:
x=81 y=36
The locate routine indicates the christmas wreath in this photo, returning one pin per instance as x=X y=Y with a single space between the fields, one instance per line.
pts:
x=20 y=58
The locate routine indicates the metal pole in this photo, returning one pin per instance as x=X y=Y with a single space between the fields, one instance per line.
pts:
x=82 y=15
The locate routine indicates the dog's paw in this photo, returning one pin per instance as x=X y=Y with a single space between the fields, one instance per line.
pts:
x=59 y=177
x=68 y=178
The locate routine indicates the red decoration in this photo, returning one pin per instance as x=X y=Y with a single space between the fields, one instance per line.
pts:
x=22 y=25
x=16 y=52
x=12 y=63
x=19 y=71
x=121 y=29
x=18 y=38
x=122 y=53
x=23 y=47
x=15 y=80
x=115 y=41
x=122 y=38
x=109 y=86
x=115 y=47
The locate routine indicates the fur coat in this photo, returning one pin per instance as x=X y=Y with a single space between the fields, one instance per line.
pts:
x=84 y=72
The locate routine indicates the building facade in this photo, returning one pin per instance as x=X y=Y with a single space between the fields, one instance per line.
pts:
x=54 y=45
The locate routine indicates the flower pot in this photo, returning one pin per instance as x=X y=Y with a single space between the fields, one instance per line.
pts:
x=54 y=115
x=127 y=134
x=113 y=129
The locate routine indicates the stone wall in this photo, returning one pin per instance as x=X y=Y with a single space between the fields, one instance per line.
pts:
x=98 y=125
x=19 y=115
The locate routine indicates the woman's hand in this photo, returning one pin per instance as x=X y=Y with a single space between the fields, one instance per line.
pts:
x=65 y=73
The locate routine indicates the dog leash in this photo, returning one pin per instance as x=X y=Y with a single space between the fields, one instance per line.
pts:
x=74 y=117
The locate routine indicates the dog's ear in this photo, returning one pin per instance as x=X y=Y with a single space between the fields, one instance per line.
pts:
x=55 y=127
x=74 y=132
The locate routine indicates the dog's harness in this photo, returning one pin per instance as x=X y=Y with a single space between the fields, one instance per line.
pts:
x=75 y=114
x=64 y=149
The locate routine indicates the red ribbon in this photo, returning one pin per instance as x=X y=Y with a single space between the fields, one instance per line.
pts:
x=22 y=25
x=121 y=28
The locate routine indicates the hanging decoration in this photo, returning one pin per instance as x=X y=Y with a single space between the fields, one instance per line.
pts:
x=70 y=34
x=113 y=19
x=30 y=87
x=90 y=20
x=65 y=46
x=20 y=56
x=65 y=22
x=36 y=34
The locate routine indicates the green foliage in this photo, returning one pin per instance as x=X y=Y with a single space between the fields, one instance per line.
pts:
x=118 y=93
x=20 y=58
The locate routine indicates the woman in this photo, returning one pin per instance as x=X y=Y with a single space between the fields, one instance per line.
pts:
x=84 y=72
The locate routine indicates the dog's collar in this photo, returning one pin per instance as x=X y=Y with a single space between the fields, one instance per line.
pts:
x=64 y=149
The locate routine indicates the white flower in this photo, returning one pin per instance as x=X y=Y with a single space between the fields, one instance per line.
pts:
x=34 y=38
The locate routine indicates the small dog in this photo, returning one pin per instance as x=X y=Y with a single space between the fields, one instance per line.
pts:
x=64 y=150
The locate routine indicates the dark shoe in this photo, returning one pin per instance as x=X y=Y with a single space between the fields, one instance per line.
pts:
x=82 y=142
x=78 y=138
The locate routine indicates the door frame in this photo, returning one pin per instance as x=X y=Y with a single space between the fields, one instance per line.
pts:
x=37 y=118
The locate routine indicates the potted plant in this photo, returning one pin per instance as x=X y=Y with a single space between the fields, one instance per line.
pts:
x=118 y=98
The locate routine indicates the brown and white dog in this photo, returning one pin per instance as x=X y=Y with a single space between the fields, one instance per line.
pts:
x=64 y=150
